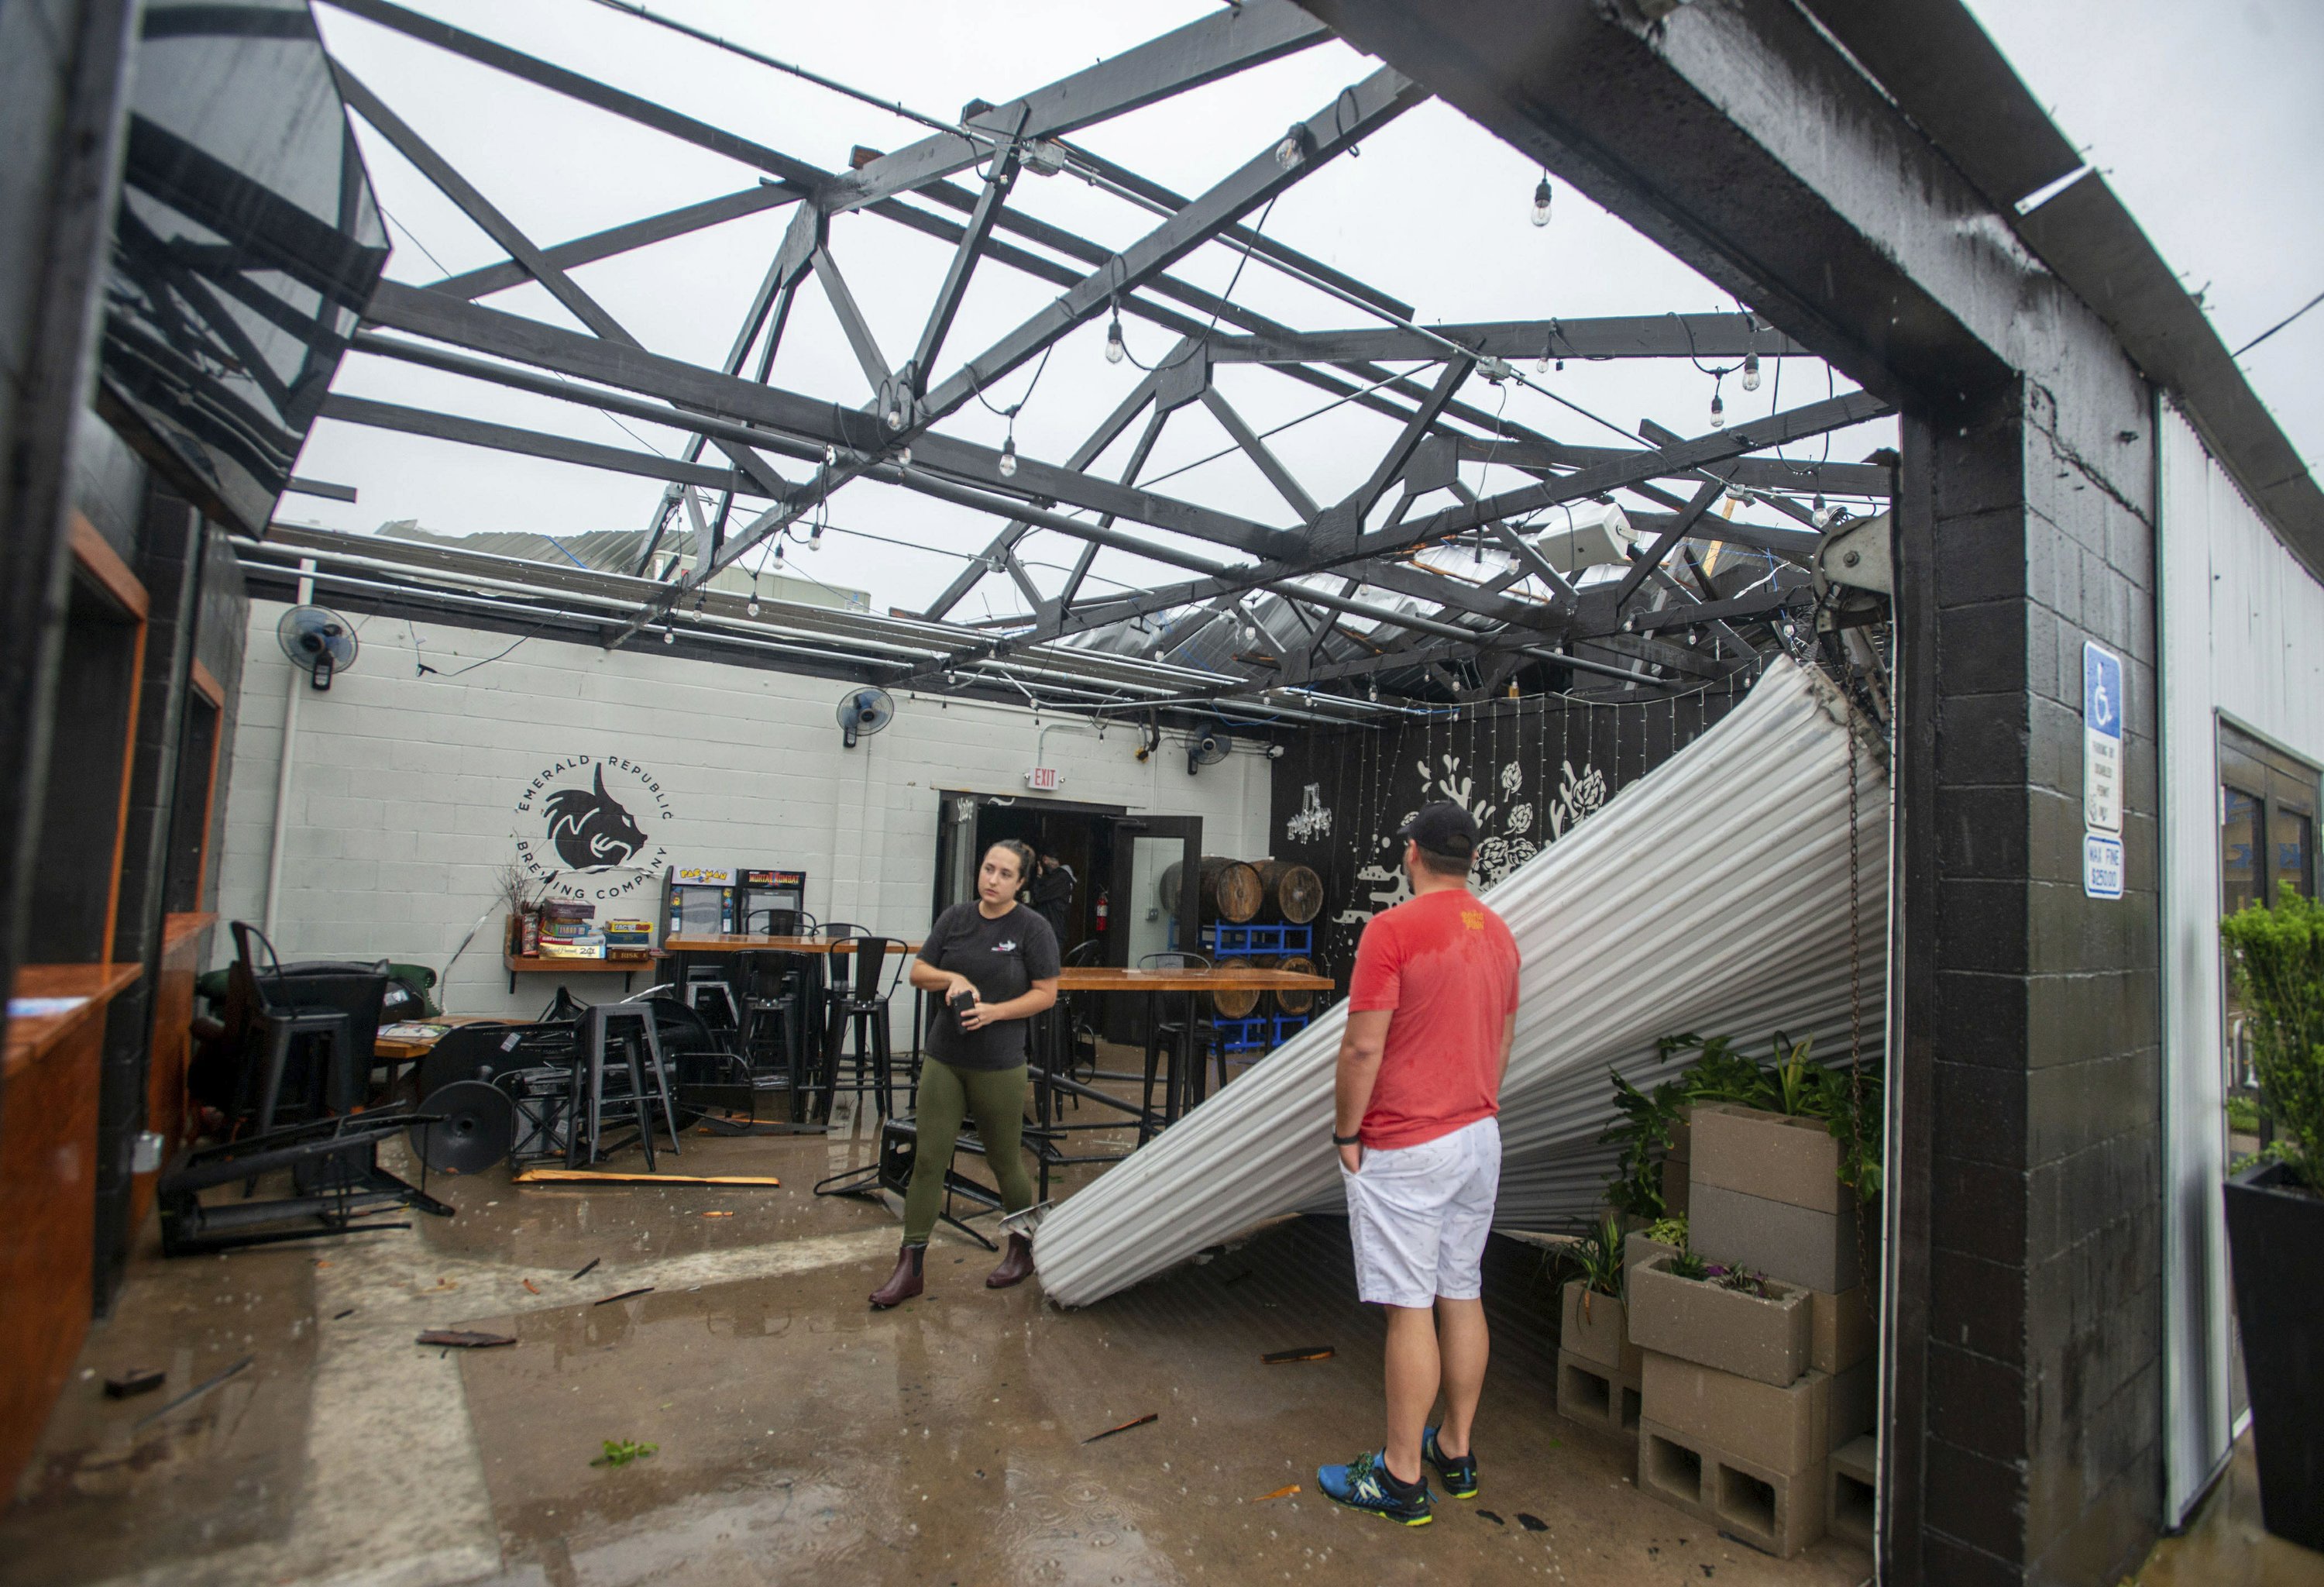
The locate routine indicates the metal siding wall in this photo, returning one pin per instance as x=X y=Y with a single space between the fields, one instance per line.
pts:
x=2243 y=637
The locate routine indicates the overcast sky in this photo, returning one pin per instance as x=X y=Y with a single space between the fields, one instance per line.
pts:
x=2204 y=117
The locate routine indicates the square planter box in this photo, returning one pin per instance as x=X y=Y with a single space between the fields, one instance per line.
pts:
x=1777 y=1512
x=1596 y=1396
x=1786 y=1429
x=1765 y=1340
x=1840 y=1330
x=1767 y=1155
x=1800 y=1245
x=1596 y=1328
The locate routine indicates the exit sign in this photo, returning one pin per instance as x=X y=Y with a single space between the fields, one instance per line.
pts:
x=1044 y=779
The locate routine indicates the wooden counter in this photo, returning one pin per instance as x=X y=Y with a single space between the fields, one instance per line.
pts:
x=747 y=942
x=1105 y=978
x=48 y=1192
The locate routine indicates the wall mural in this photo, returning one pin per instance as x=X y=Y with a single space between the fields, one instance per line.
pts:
x=1528 y=771
x=579 y=838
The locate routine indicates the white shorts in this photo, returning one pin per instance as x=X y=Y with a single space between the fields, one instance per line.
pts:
x=1417 y=1216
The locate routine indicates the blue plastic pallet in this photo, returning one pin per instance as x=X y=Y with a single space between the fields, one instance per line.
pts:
x=1230 y=942
x=1243 y=1036
x=1287 y=1026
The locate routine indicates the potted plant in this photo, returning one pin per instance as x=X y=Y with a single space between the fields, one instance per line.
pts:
x=1595 y=1325
x=2275 y=1207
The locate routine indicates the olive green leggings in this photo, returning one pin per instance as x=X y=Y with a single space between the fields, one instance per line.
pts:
x=947 y=1095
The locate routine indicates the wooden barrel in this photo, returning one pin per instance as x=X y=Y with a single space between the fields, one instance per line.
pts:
x=1235 y=1003
x=1292 y=891
x=1230 y=891
x=1167 y=890
x=1295 y=1002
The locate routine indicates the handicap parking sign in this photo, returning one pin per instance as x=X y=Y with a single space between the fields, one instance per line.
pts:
x=2102 y=709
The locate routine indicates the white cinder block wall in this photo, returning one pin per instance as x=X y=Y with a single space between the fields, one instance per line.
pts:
x=404 y=786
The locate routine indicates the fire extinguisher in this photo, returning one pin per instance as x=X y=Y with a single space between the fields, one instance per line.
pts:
x=1100 y=913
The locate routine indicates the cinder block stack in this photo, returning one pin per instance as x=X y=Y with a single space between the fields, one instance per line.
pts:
x=1747 y=1398
x=1597 y=1366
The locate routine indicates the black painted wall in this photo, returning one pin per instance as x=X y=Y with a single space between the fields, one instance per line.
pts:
x=1528 y=770
x=2032 y=1058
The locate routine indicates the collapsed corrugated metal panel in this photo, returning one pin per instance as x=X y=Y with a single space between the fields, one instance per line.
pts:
x=1713 y=896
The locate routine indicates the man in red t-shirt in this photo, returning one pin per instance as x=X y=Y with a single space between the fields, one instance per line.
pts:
x=1432 y=1006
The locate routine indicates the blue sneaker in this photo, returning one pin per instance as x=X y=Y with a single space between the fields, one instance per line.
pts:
x=1364 y=1483
x=1460 y=1475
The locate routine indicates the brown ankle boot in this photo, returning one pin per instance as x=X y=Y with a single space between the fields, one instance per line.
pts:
x=903 y=1282
x=1015 y=1266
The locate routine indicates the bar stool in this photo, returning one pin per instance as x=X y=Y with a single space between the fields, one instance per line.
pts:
x=284 y=1021
x=631 y=1026
x=863 y=1010
x=1188 y=1041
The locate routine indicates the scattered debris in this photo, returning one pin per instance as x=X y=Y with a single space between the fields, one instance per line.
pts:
x=591 y=1267
x=343 y=1316
x=529 y=1283
x=1126 y=1427
x=321 y=1263
x=192 y=1395
x=717 y=1214
x=1305 y=1352
x=621 y=1452
x=626 y=1295
x=1278 y=1493
x=1532 y=1523
x=441 y=1287
x=135 y=1381
x=1486 y=1515
x=464 y=1338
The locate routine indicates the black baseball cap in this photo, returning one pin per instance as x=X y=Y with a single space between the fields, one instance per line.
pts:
x=1442 y=828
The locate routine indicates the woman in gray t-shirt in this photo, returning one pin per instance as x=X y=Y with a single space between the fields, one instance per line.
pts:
x=993 y=964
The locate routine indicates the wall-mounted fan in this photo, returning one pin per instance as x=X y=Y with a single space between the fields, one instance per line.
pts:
x=1208 y=749
x=319 y=640
x=863 y=711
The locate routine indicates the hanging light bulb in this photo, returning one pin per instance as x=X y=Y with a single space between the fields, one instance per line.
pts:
x=1718 y=411
x=1542 y=368
x=1008 y=458
x=1751 y=371
x=669 y=636
x=753 y=609
x=1114 y=351
x=1374 y=691
x=830 y=456
x=778 y=552
x=1294 y=146
x=903 y=456
x=1541 y=197
x=1822 y=516
x=814 y=538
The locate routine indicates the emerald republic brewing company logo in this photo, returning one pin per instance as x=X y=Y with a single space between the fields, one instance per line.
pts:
x=586 y=818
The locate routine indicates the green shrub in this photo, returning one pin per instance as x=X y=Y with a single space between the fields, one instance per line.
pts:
x=2277 y=956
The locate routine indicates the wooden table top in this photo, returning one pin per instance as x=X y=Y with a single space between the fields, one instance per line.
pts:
x=388 y=1047
x=752 y=942
x=1106 y=978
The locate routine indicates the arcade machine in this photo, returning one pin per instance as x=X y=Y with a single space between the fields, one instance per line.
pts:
x=759 y=894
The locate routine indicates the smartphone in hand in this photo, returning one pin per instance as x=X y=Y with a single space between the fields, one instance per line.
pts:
x=961 y=1001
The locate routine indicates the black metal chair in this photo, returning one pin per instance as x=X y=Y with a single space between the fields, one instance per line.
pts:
x=776 y=990
x=1080 y=1027
x=862 y=1009
x=328 y=1018
x=1189 y=1040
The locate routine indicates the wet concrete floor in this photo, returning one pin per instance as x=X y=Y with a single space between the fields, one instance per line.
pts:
x=2225 y=1545
x=799 y=1436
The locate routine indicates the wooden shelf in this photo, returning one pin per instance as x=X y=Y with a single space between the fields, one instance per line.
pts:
x=533 y=964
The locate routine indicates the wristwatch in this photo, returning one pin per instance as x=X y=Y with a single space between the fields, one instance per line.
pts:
x=1347 y=1140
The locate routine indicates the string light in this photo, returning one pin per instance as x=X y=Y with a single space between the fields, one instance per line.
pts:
x=1718 y=409
x=1541 y=196
x=669 y=636
x=903 y=456
x=830 y=456
x=1374 y=691
x=1114 y=351
x=1751 y=370
x=895 y=416
x=1008 y=458
x=1822 y=515
x=1293 y=149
